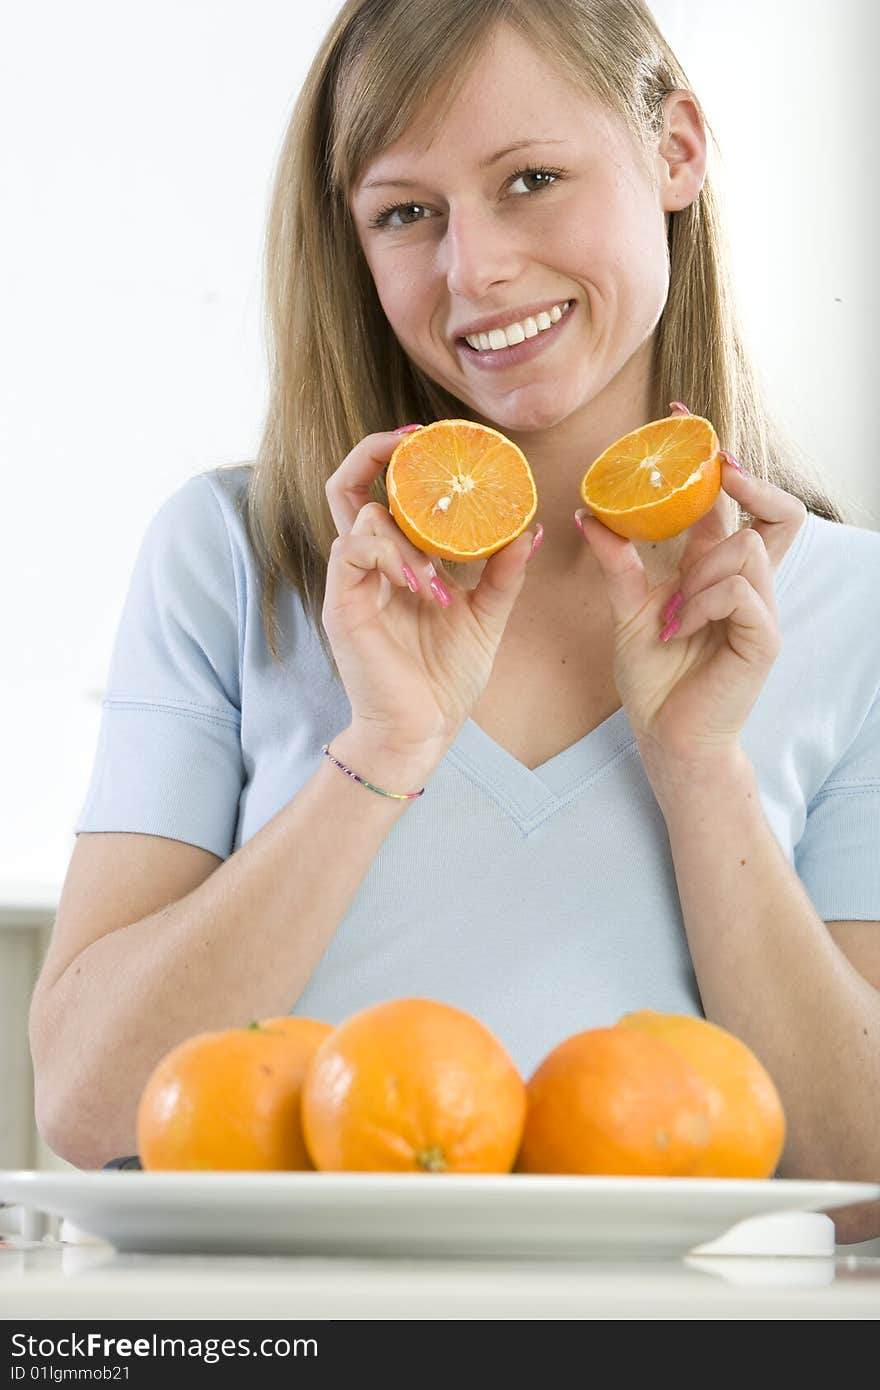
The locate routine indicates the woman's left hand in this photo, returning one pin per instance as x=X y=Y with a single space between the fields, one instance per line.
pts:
x=688 y=697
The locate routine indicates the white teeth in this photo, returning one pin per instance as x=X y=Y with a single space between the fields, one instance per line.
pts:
x=517 y=332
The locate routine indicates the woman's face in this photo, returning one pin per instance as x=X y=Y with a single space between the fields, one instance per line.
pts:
x=469 y=235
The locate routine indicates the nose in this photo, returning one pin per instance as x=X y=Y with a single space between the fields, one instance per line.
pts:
x=478 y=253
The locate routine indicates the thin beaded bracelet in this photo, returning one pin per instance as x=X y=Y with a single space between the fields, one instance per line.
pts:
x=398 y=796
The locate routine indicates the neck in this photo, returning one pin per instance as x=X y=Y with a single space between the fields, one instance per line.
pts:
x=559 y=456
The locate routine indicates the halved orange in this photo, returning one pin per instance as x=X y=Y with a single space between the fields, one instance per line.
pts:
x=460 y=490
x=657 y=480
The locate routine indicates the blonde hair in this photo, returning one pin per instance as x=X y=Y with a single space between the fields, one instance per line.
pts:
x=337 y=371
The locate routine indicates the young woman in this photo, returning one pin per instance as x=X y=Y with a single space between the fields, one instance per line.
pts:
x=549 y=788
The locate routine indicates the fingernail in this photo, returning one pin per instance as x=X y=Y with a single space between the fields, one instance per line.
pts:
x=578 y=519
x=411 y=579
x=732 y=461
x=440 y=592
x=407 y=429
x=678 y=405
x=672 y=607
x=539 y=536
x=670 y=629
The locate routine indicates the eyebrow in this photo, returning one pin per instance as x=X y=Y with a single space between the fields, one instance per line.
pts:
x=483 y=164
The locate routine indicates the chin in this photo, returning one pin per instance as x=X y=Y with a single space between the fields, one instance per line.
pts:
x=527 y=414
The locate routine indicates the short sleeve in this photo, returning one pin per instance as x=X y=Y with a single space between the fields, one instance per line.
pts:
x=169 y=759
x=838 y=855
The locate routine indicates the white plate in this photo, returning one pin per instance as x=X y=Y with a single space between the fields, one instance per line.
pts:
x=413 y=1214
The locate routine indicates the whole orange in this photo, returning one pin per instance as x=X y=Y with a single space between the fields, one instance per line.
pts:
x=748 y=1121
x=230 y=1100
x=612 y=1100
x=413 y=1085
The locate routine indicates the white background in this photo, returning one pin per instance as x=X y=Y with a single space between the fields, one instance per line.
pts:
x=136 y=156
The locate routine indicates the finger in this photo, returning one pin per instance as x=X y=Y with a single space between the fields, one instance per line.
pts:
x=374 y=519
x=500 y=582
x=742 y=553
x=777 y=516
x=625 y=580
x=360 y=566
x=752 y=632
x=348 y=489
x=719 y=522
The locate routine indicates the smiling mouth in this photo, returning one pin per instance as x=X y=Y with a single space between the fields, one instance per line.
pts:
x=537 y=334
x=499 y=339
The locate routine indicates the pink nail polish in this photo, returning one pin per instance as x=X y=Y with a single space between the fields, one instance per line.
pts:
x=678 y=405
x=411 y=579
x=441 y=592
x=670 y=629
x=539 y=536
x=581 y=512
x=732 y=461
x=407 y=429
x=672 y=607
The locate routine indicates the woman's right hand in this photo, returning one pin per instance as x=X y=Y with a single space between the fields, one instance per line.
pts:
x=413 y=668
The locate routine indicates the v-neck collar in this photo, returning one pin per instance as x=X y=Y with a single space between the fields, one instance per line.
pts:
x=530 y=795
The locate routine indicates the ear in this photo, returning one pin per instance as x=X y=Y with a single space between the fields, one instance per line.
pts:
x=681 y=152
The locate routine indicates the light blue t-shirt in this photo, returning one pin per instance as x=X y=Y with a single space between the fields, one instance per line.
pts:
x=543 y=901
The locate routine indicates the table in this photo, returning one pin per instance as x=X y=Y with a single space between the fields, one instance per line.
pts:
x=51 y=1279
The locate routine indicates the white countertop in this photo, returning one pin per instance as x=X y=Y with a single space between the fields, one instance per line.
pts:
x=51 y=1279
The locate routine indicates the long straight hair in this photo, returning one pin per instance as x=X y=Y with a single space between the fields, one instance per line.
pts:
x=337 y=371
